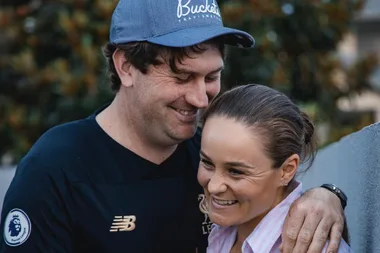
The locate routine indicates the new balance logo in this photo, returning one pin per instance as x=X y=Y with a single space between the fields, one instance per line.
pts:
x=123 y=223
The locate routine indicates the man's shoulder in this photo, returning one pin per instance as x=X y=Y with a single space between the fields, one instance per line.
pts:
x=59 y=147
x=40 y=189
x=63 y=135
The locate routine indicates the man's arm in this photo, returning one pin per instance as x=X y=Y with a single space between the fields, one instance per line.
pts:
x=313 y=218
x=34 y=216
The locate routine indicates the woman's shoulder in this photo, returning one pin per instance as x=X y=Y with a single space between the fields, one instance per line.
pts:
x=219 y=233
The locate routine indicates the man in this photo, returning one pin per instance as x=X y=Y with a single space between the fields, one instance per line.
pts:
x=124 y=179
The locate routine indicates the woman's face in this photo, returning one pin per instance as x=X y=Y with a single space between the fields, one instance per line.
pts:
x=237 y=176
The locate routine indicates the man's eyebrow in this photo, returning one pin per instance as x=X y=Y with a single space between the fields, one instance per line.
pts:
x=188 y=71
x=217 y=70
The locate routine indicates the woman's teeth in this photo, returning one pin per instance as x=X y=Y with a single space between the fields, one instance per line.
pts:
x=225 y=202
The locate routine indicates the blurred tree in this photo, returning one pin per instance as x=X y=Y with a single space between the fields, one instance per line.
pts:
x=295 y=52
x=52 y=70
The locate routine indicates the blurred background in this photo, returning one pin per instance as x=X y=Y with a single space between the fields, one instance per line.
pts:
x=323 y=53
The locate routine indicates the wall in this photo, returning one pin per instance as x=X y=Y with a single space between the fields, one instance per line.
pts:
x=353 y=164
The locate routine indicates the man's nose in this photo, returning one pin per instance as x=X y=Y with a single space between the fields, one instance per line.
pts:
x=197 y=94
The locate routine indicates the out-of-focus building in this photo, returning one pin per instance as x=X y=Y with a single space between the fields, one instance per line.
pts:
x=365 y=40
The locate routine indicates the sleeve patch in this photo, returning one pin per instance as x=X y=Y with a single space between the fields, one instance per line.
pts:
x=17 y=227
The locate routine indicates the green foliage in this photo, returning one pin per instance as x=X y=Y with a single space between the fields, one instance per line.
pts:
x=52 y=70
x=295 y=52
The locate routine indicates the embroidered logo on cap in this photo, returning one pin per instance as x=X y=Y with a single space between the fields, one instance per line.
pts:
x=186 y=10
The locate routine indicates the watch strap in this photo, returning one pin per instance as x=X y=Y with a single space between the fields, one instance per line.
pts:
x=338 y=192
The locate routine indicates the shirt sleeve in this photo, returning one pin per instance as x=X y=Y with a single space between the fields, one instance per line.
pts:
x=35 y=215
x=343 y=247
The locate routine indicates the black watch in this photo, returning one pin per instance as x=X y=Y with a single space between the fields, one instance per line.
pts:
x=338 y=192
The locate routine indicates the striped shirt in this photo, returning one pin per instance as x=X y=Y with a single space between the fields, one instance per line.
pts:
x=266 y=237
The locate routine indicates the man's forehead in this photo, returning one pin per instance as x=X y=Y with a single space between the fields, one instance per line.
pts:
x=209 y=60
x=200 y=59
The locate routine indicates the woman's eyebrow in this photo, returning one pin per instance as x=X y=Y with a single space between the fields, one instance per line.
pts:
x=232 y=164
x=239 y=164
x=204 y=155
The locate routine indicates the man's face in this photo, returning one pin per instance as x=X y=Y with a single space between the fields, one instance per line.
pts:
x=168 y=104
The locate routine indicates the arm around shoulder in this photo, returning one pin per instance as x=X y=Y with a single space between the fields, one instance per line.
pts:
x=35 y=215
x=312 y=220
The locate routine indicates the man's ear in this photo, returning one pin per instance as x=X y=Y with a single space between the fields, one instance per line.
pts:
x=123 y=68
x=289 y=168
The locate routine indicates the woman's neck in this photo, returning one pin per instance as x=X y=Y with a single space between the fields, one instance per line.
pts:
x=245 y=229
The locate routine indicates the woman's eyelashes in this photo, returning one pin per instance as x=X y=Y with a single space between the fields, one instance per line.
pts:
x=206 y=163
x=235 y=172
x=231 y=171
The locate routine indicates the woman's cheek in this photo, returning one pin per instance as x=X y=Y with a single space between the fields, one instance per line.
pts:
x=203 y=176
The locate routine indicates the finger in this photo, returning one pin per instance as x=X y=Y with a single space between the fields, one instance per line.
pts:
x=335 y=238
x=320 y=236
x=292 y=226
x=306 y=234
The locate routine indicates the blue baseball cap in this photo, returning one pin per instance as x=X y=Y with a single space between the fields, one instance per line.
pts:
x=172 y=23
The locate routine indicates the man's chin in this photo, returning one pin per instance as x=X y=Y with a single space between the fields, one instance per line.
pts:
x=184 y=135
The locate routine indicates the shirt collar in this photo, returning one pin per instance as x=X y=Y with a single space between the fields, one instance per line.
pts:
x=268 y=231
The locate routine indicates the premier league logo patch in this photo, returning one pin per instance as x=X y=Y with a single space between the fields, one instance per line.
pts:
x=17 y=227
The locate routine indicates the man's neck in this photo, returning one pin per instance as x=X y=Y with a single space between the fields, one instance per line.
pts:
x=114 y=121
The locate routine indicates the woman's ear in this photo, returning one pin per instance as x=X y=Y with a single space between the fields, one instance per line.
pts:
x=289 y=169
x=123 y=68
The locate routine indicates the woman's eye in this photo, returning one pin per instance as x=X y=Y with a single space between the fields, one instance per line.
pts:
x=206 y=163
x=235 y=172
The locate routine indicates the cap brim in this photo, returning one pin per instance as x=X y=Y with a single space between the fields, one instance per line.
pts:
x=195 y=35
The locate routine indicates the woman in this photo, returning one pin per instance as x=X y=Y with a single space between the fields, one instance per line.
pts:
x=253 y=141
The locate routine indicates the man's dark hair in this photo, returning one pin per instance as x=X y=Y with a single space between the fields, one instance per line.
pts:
x=143 y=54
